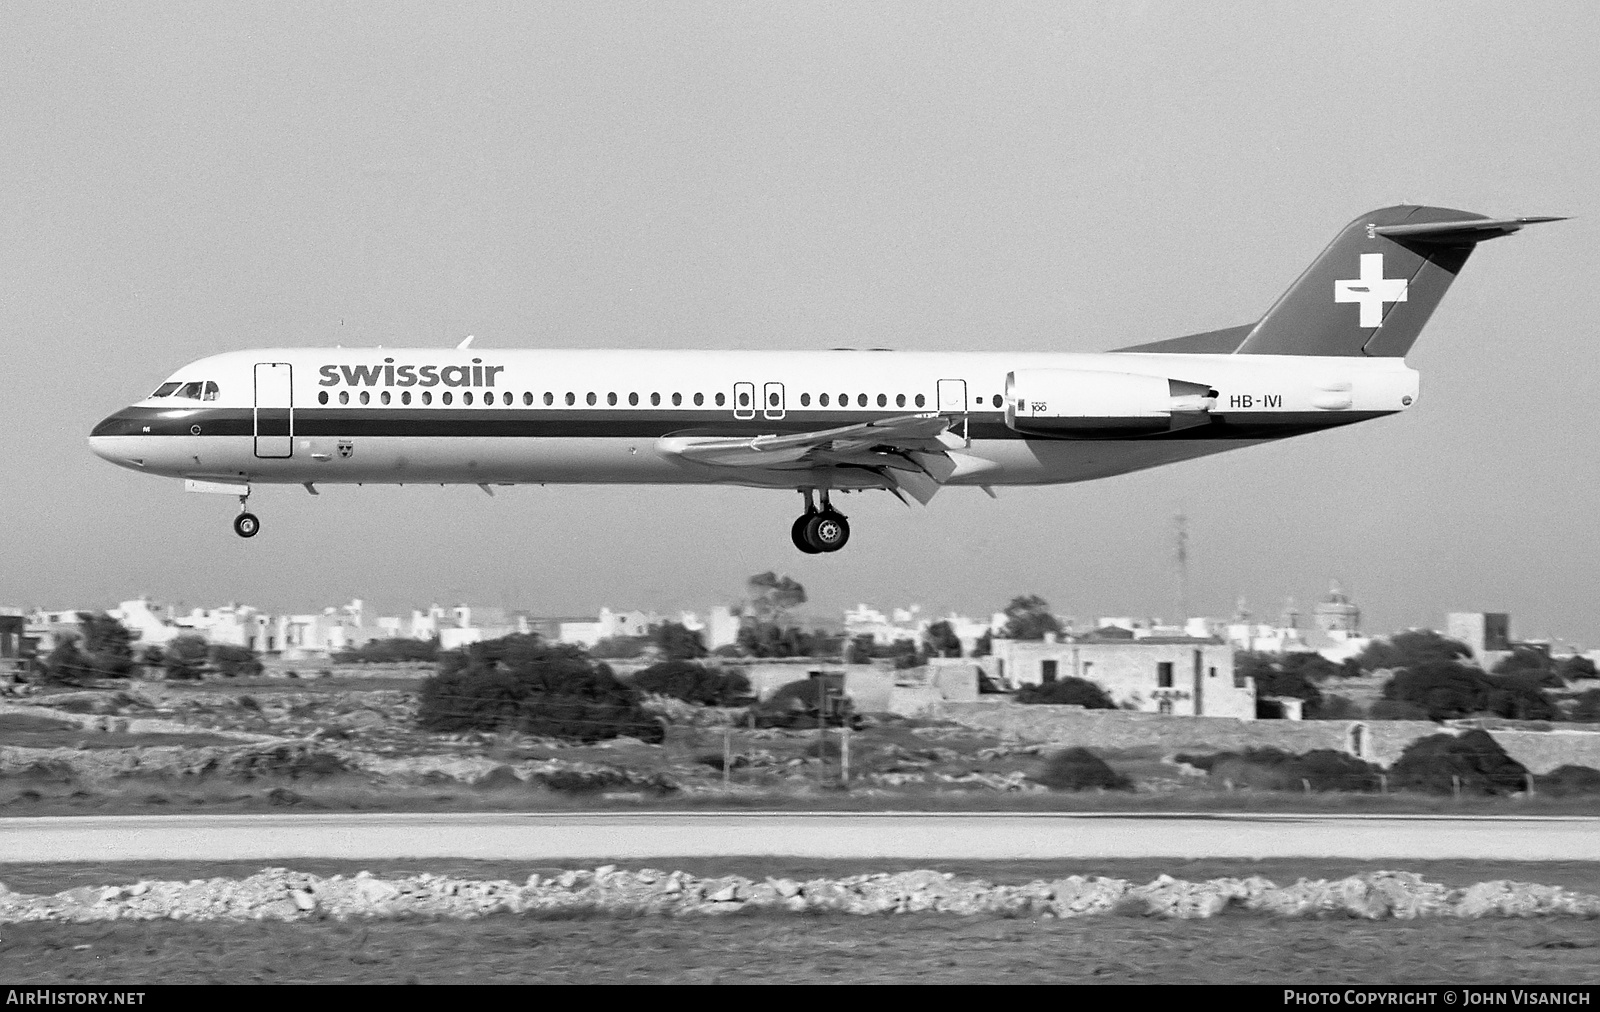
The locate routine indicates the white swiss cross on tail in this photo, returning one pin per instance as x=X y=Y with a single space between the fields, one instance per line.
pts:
x=1371 y=289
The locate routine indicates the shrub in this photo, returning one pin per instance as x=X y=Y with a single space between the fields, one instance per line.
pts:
x=1430 y=764
x=519 y=683
x=1077 y=769
x=797 y=703
x=185 y=658
x=1564 y=781
x=1335 y=707
x=1067 y=691
x=390 y=651
x=1588 y=706
x=693 y=683
x=233 y=662
x=1276 y=770
x=620 y=648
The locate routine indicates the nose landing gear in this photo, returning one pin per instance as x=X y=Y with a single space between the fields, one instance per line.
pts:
x=246 y=524
x=818 y=531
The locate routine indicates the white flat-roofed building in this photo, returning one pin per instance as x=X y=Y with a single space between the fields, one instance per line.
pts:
x=1178 y=675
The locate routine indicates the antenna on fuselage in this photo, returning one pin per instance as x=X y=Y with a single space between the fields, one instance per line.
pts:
x=464 y=342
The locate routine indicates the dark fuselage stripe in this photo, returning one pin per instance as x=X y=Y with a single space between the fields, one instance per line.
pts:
x=635 y=423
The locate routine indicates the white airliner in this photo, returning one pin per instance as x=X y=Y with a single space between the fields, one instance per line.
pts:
x=1328 y=353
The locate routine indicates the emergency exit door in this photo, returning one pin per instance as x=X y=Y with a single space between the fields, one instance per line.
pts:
x=274 y=414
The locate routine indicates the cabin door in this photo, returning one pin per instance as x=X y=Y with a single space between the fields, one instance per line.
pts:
x=274 y=414
x=953 y=401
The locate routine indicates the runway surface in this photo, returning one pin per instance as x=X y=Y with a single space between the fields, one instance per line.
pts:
x=641 y=835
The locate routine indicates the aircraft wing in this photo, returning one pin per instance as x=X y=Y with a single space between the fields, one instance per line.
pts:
x=913 y=454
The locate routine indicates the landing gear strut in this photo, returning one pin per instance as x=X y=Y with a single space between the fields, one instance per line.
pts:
x=246 y=524
x=819 y=530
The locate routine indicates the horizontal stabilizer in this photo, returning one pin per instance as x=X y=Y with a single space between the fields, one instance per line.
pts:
x=1451 y=233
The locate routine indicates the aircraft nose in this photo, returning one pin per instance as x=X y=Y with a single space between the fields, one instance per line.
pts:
x=108 y=440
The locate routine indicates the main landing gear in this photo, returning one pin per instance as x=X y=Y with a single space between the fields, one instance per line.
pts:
x=246 y=524
x=819 y=530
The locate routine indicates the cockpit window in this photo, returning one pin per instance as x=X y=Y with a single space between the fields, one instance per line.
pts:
x=165 y=389
x=211 y=392
x=190 y=390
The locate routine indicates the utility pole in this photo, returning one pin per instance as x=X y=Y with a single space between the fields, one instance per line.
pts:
x=1182 y=524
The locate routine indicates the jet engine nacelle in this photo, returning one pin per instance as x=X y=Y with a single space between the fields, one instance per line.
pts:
x=1074 y=402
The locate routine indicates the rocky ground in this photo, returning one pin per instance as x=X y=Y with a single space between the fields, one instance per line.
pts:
x=282 y=895
x=74 y=747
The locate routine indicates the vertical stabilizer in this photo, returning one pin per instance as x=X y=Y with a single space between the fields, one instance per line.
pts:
x=1372 y=290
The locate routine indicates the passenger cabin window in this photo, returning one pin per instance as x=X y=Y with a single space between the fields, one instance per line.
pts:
x=677 y=399
x=405 y=397
x=822 y=399
x=427 y=397
x=805 y=400
x=699 y=399
x=322 y=397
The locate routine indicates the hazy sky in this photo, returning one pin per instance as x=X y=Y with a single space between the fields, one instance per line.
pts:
x=183 y=179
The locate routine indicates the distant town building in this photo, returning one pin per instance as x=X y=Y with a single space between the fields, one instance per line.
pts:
x=1486 y=633
x=16 y=648
x=1178 y=675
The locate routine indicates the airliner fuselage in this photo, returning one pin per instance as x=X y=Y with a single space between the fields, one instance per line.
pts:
x=1329 y=353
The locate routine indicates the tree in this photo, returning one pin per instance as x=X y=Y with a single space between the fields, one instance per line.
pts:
x=1530 y=664
x=522 y=684
x=1443 y=689
x=984 y=646
x=1446 y=690
x=941 y=640
x=767 y=639
x=66 y=664
x=677 y=642
x=773 y=596
x=694 y=683
x=1314 y=667
x=1028 y=618
x=1410 y=649
x=185 y=658
x=108 y=645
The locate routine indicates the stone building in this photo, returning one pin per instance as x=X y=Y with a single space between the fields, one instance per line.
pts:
x=1179 y=675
